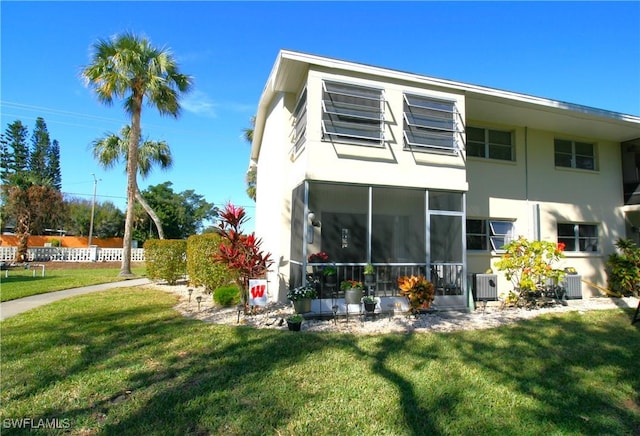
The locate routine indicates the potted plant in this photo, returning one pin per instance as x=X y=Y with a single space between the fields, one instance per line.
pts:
x=369 y=303
x=352 y=291
x=330 y=275
x=301 y=297
x=294 y=322
x=319 y=257
x=418 y=290
x=369 y=274
x=315 y=258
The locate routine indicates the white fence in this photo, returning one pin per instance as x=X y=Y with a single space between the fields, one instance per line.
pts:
x=92 y=254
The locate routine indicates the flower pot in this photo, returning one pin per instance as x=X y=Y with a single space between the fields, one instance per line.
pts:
x=370 y=307
x=353 y=296
x=294 y=326
x=303 y=305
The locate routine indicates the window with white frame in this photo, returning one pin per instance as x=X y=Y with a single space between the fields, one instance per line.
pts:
x=578 y=236
x=352 y=113
x=489 y=234
x=575 y=154
x=300 y=121
x=490 y=143
x=429 y=123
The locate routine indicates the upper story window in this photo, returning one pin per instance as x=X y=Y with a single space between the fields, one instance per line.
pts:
x=483 y=234
x=298 y=134
x=429 y=123
x=574 y=154
x=489 y=143
x=578 y=237
x=352 y=113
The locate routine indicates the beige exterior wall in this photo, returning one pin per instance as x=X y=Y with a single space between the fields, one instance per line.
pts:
x=388 y=165
x=530 y=190
x=272 y=196
x=280 y=169
x=516 y=190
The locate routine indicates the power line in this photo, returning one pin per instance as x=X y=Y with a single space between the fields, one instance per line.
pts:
x=245 y=206
x=84 y=116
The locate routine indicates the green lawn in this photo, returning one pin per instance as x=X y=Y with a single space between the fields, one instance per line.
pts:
x=22 y=283
x=124 y=362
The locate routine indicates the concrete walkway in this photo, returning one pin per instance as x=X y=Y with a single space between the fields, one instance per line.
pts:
x=14 y=307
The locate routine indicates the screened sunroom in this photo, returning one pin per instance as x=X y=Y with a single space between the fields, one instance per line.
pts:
x=400 y=230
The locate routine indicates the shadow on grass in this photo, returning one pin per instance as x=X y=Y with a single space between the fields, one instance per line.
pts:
x=151 y=371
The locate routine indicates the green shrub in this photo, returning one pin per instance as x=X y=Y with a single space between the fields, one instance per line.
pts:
x=201 y=268
x=227 y=295
x=165 y=259
x=624 y=268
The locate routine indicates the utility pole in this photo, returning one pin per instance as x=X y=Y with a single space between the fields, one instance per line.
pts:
x=93 y=208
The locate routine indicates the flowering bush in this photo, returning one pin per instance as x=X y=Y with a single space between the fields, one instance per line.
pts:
x=529 y=264
x=348 y=284
x=418 y=290
x=319 y=257
x=306 y=291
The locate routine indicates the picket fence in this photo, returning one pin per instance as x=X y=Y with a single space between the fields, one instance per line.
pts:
x=91 y=254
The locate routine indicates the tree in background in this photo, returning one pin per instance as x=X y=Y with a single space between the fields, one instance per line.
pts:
x=130 y=68
x=32 y=201
x=40 y=144
x=16 y=158
x=53 y=168
x=5 y=159
x=108 y=219
x=182 y=214
x=109 y=150
x=252 y=172
x=33 y=205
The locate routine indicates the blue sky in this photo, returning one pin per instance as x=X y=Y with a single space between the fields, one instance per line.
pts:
x=580 y=52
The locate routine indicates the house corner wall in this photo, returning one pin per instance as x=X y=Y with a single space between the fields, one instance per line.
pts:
x=273 y=196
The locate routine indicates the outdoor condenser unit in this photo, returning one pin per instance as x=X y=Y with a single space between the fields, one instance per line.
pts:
x=486 y=286
x=572 y=284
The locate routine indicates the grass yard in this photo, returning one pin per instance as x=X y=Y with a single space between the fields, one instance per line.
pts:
x=124 y=362
x=22 y=283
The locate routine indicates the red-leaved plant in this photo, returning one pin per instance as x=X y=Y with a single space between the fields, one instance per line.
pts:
x=241 y=252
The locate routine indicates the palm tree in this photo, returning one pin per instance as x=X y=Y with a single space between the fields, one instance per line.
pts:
x=109 y=150
x=252 y=173
x=129 y=68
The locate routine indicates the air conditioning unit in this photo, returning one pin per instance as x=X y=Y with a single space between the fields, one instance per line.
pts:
x=486 y=287
x=572 y=285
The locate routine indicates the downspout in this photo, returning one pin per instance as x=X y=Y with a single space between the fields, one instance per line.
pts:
x=535 y=225
x=305 y=231
x=369 y=220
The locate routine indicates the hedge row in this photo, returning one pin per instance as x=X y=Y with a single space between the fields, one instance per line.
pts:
x=172 y=259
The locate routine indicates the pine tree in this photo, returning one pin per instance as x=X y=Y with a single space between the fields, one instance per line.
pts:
x=5 y=160
x=40 y=145
x=16 y=137
x=53 y=165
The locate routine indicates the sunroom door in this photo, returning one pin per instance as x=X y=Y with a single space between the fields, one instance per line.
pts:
x=446 y=249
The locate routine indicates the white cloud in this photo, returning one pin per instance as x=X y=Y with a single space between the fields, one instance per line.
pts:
x=199 y=103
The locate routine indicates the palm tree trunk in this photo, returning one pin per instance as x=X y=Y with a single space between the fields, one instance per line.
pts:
x=151 y=213
x=22 y=232
x=132 y=185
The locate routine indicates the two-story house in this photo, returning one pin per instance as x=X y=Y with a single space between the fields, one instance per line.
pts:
x=419 y=175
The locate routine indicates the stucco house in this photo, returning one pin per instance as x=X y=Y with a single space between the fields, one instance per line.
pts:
x=419 y=175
